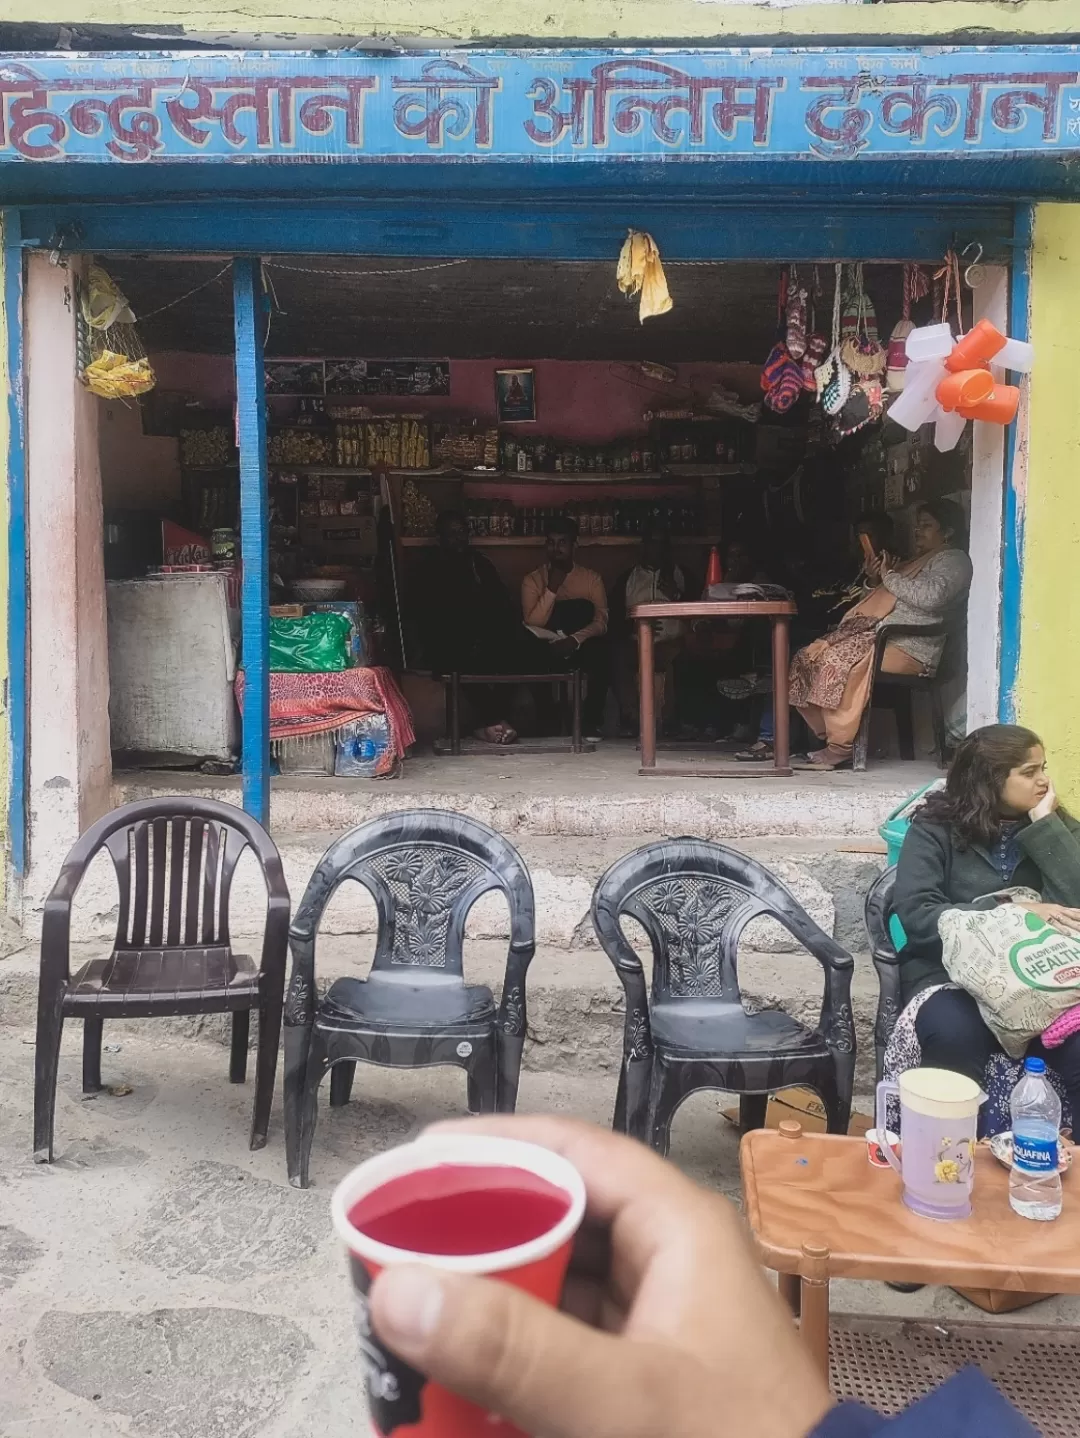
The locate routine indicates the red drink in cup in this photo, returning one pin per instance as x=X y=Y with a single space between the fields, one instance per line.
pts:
x=466 y=1204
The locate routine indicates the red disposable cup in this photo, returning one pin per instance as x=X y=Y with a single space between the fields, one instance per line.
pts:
x=403 y=1403
x=877 y=1140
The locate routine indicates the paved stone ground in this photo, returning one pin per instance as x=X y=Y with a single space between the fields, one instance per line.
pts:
x=161 y=1281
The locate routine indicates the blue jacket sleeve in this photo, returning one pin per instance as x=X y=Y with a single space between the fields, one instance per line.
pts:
x=967 y=1406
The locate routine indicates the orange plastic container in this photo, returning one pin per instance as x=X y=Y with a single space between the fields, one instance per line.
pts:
x=714 y=573
x=961 y=391
x=980 y=344
x=999 y=407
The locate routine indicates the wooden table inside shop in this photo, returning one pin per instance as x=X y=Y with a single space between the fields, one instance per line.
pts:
x=779 y=613
x=818 y=1209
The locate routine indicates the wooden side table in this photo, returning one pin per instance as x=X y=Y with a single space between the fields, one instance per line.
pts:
x=779 y=612
x=818 y=1210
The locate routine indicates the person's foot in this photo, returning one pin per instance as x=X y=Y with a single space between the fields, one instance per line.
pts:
x=759 y=753
x=825 y=760
x=500 y=733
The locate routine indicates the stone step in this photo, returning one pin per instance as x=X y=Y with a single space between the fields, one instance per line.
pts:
x=598 y=795
x=576 y=1008
x=829 y=876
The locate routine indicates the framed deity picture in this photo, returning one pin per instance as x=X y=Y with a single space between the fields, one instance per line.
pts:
x=515 y=395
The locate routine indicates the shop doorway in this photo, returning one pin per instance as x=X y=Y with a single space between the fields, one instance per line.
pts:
x=507 y=392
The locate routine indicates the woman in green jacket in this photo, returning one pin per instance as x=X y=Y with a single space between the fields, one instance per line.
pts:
x=996 y=825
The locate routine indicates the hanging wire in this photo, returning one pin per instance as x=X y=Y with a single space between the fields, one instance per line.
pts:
x=364 y=274
x=187 y=294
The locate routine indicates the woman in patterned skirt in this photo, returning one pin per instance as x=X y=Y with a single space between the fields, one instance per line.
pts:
x=830 y=679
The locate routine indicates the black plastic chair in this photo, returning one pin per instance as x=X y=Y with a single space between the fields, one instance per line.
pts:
x=897 y=691
x=425 y=869
x=694 y=900
x=174 y=859
x=878 y=912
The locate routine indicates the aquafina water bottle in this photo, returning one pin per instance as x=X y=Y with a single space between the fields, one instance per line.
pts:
x=1034 y=1181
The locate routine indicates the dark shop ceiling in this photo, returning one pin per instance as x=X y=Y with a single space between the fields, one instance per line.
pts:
x=478 y=309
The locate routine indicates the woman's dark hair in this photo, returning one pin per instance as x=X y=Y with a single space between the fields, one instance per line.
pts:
x=970 y=802
x=951 y=518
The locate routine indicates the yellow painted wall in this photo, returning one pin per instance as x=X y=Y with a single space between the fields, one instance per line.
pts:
x=597 y=20
x=1048 y=692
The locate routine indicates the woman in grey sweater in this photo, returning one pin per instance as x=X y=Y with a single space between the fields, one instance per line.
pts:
x=831 y=679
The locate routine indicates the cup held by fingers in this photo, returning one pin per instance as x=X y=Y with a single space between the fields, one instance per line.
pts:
x=464 y=1203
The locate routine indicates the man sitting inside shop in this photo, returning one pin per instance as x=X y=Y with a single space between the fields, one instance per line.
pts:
x=469 y=624
x=568 y=605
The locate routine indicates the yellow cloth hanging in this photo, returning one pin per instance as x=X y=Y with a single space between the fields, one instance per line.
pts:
x=118 y=376
x=640 y=271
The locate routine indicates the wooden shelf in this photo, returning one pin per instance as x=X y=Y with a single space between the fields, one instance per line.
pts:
x=543 y=476
x=537 y=541
x=343 y=469
x=530 y=476
x=704 y=471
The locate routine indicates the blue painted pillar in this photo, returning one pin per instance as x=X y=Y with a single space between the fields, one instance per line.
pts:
x=249 y=321
x=1012 y=540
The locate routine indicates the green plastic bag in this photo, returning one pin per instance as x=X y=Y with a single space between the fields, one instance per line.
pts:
x=315 y=644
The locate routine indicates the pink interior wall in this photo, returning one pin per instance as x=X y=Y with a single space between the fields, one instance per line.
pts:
x=578 y=401
x=138 y=471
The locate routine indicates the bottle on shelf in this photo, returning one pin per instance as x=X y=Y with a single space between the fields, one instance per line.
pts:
x=714 y=574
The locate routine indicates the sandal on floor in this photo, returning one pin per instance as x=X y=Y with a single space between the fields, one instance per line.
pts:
x=824 y=761
x=503 y=734
x=759 y=753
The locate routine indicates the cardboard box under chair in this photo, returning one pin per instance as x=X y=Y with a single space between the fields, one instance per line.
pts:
x=806 y=1108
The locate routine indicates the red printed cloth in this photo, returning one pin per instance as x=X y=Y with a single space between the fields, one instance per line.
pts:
x=320 y=703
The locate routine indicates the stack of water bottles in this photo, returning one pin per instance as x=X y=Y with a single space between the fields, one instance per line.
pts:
x=1035 y=1179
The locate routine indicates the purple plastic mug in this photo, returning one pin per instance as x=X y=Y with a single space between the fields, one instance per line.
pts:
x=939 y=1114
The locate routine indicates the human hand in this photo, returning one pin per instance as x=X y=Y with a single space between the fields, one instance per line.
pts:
x=564 y=647
x=1066 y=921
x=556 y=576
x=872 y=567
x=1046 y=805
x=668 y=1324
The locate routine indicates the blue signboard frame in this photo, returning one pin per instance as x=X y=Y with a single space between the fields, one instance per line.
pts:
x=577 y=107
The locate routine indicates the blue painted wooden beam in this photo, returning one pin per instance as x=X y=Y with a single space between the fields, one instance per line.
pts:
x=16 y=541
x=517 y=228
x=249 y=317
x=1012 y=556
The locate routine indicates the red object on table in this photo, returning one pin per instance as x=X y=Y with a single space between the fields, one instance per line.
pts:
x=715 y=572
x=320 y=703
x=779 y=612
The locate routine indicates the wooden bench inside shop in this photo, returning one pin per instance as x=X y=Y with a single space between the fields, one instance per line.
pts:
x=569 y=684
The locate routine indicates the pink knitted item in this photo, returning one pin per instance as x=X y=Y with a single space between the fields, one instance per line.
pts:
x=1060 y=1029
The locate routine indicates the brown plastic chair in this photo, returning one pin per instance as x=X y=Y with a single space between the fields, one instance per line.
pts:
x=174 y=859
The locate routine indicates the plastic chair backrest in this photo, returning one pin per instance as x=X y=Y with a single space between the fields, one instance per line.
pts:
x=879 y=913
x=424 y=868
x=694 y=899
x=174 y=859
